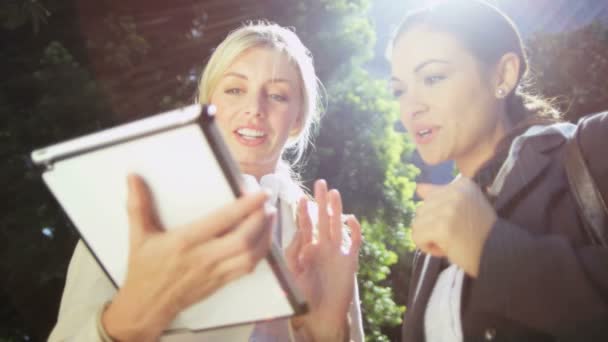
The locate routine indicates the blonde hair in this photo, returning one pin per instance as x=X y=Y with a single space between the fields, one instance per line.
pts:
x=274 y=36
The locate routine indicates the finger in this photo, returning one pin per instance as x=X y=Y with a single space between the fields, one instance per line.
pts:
x=433 y=250
x=292 y=251
x=437 y=203
x=336 y=230
x=424 y=190
x=225 y=268
x=243 y=262
x=254 y=229
x=429 y=209
x=224 y=219
x=427 y=235
x=355 y=234
x=302 y=236
x=307 y=256
x=323 y=215
x=140 y=210
x=304 y=221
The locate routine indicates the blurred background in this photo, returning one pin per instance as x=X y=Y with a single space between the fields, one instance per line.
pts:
x=70 y=67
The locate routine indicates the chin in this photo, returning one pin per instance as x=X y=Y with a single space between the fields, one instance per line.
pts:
x=431 y=159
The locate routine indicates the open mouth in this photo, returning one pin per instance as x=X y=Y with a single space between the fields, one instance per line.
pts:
x=426 y=135
x=250 y=134
x=425 y=132
x=250 y=137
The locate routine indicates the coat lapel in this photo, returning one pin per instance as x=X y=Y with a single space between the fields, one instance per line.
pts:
x=523 y=167
x=413 y=328
x=524 y=172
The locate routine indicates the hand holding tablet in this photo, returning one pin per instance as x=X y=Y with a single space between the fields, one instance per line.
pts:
x=185 y=211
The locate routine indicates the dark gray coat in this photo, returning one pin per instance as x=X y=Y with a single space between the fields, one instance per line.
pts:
x=539 y=279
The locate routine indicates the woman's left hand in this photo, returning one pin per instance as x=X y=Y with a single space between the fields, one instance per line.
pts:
x=454 y=222
x=322 y=269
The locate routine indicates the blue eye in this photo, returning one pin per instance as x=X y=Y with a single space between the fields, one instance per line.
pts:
x=278 y=97
x=397 y=93
x=431 y=80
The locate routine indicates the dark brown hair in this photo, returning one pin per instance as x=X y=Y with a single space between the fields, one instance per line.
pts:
x=488 y=34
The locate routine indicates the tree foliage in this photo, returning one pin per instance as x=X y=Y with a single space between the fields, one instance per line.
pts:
x=571 y=68
x=358 y=152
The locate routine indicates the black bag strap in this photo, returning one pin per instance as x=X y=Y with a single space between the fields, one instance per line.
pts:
x=589 y=200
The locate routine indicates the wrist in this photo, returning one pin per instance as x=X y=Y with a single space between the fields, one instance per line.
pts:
x=122 y=321
x=117 y=325
x=113 y=326
x=304 y=331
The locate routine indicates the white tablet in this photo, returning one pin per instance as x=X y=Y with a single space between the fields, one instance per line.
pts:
x=190 y=172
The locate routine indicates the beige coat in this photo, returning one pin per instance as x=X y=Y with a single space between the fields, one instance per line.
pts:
x=87 y=289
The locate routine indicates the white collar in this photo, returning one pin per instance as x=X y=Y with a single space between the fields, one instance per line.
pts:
x=279 y=186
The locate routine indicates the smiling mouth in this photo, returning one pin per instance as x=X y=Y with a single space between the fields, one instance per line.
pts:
x=250 y=134
x=423 y=133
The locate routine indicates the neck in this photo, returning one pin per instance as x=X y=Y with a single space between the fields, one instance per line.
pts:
x=470 y=162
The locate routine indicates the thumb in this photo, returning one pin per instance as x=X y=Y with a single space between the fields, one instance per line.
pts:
x=302 y=236
x=292 y=252
x=140 y=211
x=424 y=190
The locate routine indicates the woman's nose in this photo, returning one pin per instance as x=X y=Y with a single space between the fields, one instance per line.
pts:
x=254 y=105
x=412 y=105
x=412 y=110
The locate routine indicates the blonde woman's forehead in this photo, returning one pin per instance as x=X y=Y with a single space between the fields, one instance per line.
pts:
x=263 y=63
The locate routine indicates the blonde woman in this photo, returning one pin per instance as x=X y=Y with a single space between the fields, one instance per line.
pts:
x=263 y=82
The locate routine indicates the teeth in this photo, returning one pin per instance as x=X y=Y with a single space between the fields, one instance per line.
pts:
x=250 y=133
x=424 y=132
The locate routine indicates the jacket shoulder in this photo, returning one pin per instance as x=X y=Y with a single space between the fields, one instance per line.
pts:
x=593 y=141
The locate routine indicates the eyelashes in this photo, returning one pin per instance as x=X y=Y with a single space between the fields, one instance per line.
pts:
x=273 y=96
x=279 y=97
x=433 y=79
x=428 y=81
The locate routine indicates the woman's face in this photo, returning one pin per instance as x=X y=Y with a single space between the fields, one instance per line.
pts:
x=447 y=103
x=258 y=101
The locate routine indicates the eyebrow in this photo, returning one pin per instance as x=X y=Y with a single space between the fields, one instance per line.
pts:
x=427 y=62
x=420 y=67
x=244 y=77
x=235 y=74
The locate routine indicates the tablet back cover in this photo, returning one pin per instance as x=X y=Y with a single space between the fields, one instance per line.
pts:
x=186 y=182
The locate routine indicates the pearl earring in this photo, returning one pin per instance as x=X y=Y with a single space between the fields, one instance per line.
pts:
x=500 y=92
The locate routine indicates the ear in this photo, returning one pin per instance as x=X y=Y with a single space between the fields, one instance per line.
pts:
x=507 y=74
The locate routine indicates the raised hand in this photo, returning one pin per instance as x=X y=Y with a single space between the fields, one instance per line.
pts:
x=454 y=222
x=170 y=270
x=323 y=268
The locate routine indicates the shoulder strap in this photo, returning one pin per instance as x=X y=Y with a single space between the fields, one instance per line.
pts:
x=589 y=200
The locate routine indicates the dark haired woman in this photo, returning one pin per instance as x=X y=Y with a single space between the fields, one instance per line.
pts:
x=502 y=253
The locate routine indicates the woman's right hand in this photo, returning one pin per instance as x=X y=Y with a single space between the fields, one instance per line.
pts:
x=170 y=270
